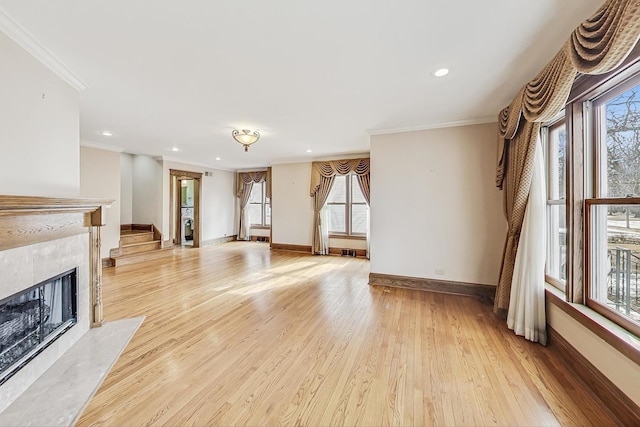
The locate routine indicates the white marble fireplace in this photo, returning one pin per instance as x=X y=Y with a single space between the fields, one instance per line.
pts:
x=41 y=238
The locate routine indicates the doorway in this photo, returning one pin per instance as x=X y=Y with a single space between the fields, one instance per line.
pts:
x=185 y=208
x=186 y=212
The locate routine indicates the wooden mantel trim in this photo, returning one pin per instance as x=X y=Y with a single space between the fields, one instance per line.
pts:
x=27 y=220
x=36 y=204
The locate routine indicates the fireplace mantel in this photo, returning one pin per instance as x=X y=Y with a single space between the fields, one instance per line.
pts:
x=27 y=220
x=36 y=203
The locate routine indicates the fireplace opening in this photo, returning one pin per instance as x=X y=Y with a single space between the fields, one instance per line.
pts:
x=32 y=319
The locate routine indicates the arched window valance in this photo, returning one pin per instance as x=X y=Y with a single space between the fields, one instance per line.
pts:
x=336 y=167
x=250 y=178
x=596 y=46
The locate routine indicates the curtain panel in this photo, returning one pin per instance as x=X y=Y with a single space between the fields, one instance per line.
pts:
x=245 y=182
x=596 y=46
x=320 y=226
x=268 y=181
x=322 y=177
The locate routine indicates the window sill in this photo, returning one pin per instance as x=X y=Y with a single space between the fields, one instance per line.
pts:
x=260 y=227
x=347 y=237
x=616 y=336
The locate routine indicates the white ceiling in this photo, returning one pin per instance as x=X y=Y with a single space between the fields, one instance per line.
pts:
x=317 y=75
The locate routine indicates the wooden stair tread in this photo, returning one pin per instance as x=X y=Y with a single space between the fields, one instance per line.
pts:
x=138 y=257
x=144 y=253
x=150 y=242
x=131 y=238
x=134 y=232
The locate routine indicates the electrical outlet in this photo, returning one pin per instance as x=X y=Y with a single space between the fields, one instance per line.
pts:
x=440 y=271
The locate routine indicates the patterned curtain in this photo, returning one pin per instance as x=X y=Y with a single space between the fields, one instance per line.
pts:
x=245 y=221
x=365 y=185
x=320 y=227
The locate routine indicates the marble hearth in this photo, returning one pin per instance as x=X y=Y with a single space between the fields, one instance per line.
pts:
x=41 y=238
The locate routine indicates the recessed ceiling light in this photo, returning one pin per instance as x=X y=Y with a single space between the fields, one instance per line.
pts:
x=106 y=133
x=441 y=72
x=217 y=158
x=175 y=149
x=308 y=150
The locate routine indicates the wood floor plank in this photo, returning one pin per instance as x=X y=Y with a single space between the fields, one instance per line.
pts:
x=237 y=334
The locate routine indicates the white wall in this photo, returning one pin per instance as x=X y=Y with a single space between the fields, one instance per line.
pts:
x=434 y=204
x=147 y=191
x=39 y=127
x=218 y=205
x=291 y=205
x=100 y=178
x=126 y=188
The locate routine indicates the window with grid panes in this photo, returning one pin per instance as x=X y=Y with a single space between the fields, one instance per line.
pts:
x=612 y=212
x=259 y=205
x=346 y=207
x=555 y=145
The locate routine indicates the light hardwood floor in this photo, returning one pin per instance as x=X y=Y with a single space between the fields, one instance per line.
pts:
x=237 y=334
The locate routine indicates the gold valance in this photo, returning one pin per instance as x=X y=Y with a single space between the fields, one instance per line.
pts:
x=247 y=177
x=268 y=178
x=336 y=167
x=597 y=46
x=547 y=93
x=603 y=41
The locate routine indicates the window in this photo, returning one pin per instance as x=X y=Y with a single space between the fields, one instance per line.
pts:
x=259 y=206
x=555 y=145
x=612 y=213
x=346 y=207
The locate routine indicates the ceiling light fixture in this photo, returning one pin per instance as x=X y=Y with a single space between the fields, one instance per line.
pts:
x=441 y=72
x=175 y=149
x=245 y=137
x=217 y=158
x=308 y=150
x=106 y=133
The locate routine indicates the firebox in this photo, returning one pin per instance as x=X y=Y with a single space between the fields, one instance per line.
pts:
x=35 y=317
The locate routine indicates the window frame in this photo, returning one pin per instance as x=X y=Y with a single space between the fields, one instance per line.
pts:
x=265 y=203
x=546 y=131
x=587 y=107
x=602 y=309
x=348 y=206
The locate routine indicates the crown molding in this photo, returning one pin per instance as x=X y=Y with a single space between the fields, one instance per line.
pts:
x=186 y=164
x=258 y=169
x=29 y=43
x=478 y=121
x=101 y=146
x=324 y=158
x=345 y=156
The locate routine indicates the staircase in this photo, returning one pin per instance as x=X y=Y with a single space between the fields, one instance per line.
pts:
x=139 y=243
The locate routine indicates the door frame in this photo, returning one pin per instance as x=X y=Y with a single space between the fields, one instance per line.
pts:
x=176 y=177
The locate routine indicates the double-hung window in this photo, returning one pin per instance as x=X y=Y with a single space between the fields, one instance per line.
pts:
x=259 y=205
x=347 y=208
x=555 y=145
x=612 y=208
